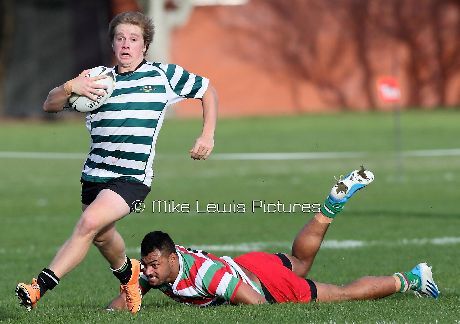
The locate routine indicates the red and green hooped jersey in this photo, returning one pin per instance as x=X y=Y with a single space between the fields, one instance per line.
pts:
x=203 y=280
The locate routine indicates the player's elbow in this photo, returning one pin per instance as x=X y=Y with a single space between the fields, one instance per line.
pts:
x=50 y=108
x=260 y=300
x=210 y=96
x=211 y=92
x=250 y=301
x=257 y=301
x=46 y=107
x=245 y=294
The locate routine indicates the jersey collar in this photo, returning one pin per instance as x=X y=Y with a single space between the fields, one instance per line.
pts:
x=128 y=72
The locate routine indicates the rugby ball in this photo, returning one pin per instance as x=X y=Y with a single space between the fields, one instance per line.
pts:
x=85 y=104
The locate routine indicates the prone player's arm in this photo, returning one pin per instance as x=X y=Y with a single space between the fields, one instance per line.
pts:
x=81 y=85
x=244 y=294
x=118 y=303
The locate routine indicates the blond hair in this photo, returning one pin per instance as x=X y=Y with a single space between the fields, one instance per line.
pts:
x=137 y=19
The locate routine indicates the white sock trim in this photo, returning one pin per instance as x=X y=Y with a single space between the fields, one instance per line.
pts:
x=52 y=278
x=122 y=266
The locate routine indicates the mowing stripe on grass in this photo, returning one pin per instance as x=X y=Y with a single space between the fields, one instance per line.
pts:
x=241 y=156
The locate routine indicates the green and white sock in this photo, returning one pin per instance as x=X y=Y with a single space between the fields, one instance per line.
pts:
x=331 y=209
x=408 y=281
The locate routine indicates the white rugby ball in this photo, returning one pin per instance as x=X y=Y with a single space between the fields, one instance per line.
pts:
x=85 y=104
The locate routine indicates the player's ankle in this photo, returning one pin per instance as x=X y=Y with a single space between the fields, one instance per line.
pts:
x=124 y=272
x=47 y=280
x=408 y=281
x=331 y=209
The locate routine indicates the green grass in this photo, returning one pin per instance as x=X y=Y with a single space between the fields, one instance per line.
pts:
x=40 y=203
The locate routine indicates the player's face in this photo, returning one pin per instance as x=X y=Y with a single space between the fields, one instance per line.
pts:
x=128 y=46
x=158 y=268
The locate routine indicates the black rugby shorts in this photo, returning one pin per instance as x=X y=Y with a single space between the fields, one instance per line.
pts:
x=132 y=192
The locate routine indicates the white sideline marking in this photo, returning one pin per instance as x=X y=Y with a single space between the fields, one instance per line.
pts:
x=286 y=156
x=439 y=152
x=327 y=244
x=42 y=155
x=241 y=156
x=261 y=246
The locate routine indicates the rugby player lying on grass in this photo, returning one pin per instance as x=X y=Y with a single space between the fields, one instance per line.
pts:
x=202 y=279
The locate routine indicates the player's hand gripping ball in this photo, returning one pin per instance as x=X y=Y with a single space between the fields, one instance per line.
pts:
x=85 y=104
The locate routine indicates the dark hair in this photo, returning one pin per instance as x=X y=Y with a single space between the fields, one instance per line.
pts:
x=157 y=240
x=134 y=18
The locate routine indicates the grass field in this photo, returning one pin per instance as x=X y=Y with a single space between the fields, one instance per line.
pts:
x=408 y=215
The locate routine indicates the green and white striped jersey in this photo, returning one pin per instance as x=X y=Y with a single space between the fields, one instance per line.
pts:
x=125 y=128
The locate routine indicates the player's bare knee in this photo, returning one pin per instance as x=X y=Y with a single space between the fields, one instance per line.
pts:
x=88 y=225
x=299 y=267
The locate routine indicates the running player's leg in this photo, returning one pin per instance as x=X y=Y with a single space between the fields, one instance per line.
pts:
x=111 y=245
x=309 y=239
x=107 y=208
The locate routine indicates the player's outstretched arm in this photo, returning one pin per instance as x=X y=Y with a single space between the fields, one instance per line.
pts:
x=205 y=143
x=118 y=303
x=246 y=295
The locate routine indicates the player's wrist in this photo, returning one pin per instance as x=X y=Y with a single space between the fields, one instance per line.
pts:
x=207 y=135
x=68 y=88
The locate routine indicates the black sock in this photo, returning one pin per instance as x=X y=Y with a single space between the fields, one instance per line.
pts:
x=124 y=272
x=47 y=280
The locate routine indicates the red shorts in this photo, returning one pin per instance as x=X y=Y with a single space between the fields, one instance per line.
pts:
x=279 y=282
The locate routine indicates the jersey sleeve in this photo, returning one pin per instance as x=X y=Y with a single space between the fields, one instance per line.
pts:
x=183 y=83
x=219 y=282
